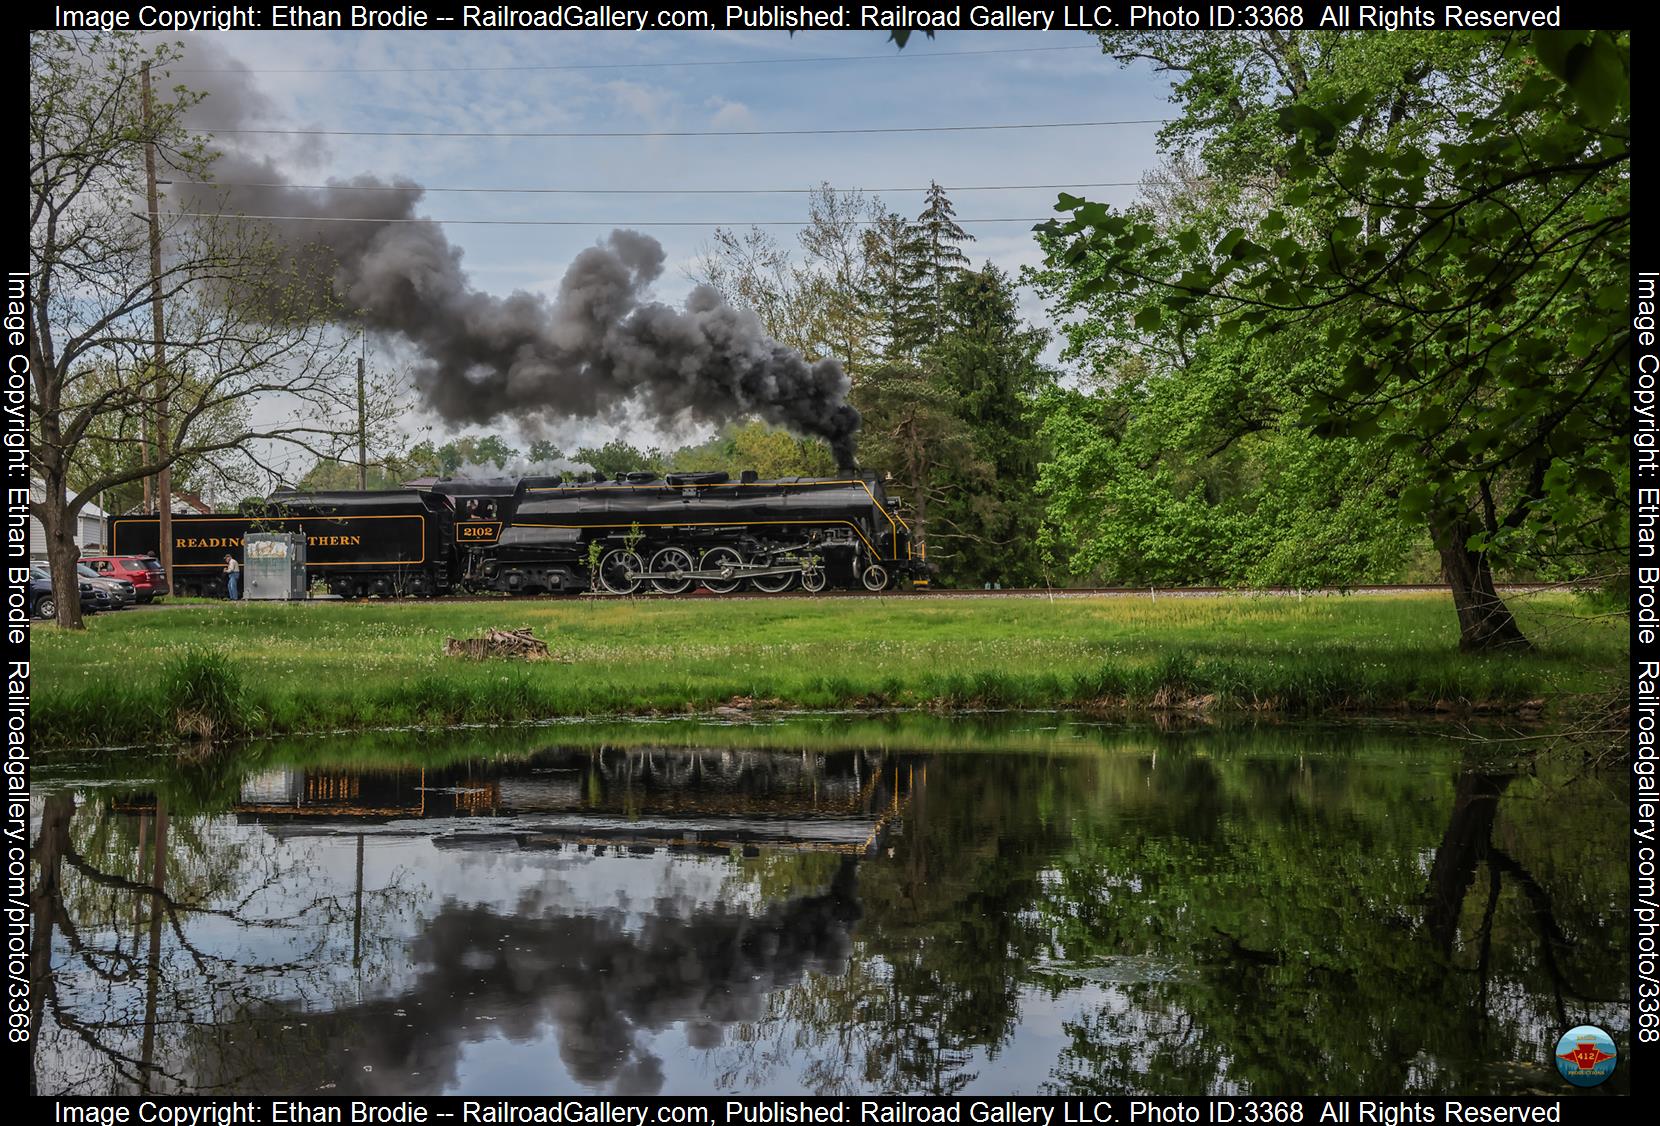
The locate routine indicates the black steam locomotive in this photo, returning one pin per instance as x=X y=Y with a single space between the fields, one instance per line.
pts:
x=544 y=535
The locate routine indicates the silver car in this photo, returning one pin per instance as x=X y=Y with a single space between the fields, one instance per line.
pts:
x=120 y=591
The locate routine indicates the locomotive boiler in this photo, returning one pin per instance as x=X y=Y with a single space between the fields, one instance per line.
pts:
x=672 y=534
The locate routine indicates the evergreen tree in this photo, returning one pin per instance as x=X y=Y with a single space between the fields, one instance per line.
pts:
x=937 y=235
x=894 y=291
x=912 y=431
x=987 y=516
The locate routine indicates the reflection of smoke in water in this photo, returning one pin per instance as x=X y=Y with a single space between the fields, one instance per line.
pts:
x=606 y=986
x=599 y=344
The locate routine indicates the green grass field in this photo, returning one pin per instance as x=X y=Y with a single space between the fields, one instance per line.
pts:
x=256 y=668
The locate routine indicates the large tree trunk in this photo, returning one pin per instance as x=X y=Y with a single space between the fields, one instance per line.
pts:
x=58 y=522
x=46 y=905
x=1484 y=621
x=1464 y=845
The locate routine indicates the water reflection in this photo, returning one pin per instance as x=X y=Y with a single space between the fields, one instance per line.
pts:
x=1269 y=912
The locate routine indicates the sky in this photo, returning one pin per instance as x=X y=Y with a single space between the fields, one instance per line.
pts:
x=706 y=80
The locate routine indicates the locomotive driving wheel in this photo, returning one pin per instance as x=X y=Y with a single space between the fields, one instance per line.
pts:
x=615 y=568
x=672 y=559
x=718 y=559
x=770 y=584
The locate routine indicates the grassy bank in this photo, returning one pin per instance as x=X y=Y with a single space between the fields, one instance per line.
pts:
x=252 y=668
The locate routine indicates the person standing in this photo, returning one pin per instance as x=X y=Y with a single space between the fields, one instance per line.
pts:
x=233 y=578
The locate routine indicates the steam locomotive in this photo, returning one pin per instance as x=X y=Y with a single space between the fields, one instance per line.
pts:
x=535 y=535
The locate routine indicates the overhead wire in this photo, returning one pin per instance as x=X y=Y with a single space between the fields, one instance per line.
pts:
x=575 y=134
x=646 y=191
x=557 y=222
x=514 y=134
x=789 y=59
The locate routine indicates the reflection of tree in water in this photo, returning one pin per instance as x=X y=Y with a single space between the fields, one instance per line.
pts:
x=1315 y=917
x=147 y=924
x=1339 y=950
x=601 y=985
x=1255 y=923
x=946 y=943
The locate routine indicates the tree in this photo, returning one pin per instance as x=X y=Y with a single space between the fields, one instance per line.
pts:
x=908 y=266
x=937 y=237
x=542 y=450
x=466 y=456
x=1152 y=480
x=819 y=306
x=770 y=452
x=1457 y=241
x=897 y=313
x=752 y=271
x=617 y=457
x=333 y=475
x=90 y=289
x=912 y=426
x=838 y=274
x=986 y=523
x=115 y=443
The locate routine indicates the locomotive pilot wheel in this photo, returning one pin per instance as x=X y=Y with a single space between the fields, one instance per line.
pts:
x=615 y=568
x=875 y=577
x=672 y=559
x=715 y=559
x=813 y=580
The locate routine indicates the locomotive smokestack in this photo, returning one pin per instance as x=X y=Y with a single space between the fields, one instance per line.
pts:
x=599 y=344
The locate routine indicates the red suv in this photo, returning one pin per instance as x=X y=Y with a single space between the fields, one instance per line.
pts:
x=143 y=571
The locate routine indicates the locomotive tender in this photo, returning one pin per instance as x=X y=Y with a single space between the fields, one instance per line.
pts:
x=544 y=535
x=390 y=543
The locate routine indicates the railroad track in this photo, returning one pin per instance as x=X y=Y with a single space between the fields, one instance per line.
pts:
x=1150 y=593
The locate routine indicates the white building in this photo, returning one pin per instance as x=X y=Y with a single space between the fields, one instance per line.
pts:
x=90 y=528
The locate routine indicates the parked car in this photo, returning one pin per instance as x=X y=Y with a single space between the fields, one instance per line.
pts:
x=43 y=602
x=121 y=592
x=143 y=571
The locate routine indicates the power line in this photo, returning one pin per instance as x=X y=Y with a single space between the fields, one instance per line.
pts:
x=558 y=222
x=695 y=132
x=649 y=191
x=620 y=66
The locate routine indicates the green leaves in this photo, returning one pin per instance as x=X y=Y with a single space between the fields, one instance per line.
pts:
x=1444 y=232
x=1416 y=499
x=1310 y=123
x=1225 y=248
x=1593 y=65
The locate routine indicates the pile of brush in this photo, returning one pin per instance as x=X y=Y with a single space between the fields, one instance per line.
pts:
x=499 y=643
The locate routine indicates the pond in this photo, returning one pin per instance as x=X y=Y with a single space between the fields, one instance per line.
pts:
x=1005 y=904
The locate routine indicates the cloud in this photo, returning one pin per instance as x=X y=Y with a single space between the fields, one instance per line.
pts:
x=729 y=115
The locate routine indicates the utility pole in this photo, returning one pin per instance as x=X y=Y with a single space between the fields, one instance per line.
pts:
x=164 y=477
x=362 y=421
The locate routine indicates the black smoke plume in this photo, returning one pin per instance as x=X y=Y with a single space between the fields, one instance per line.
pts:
x=599 y=345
